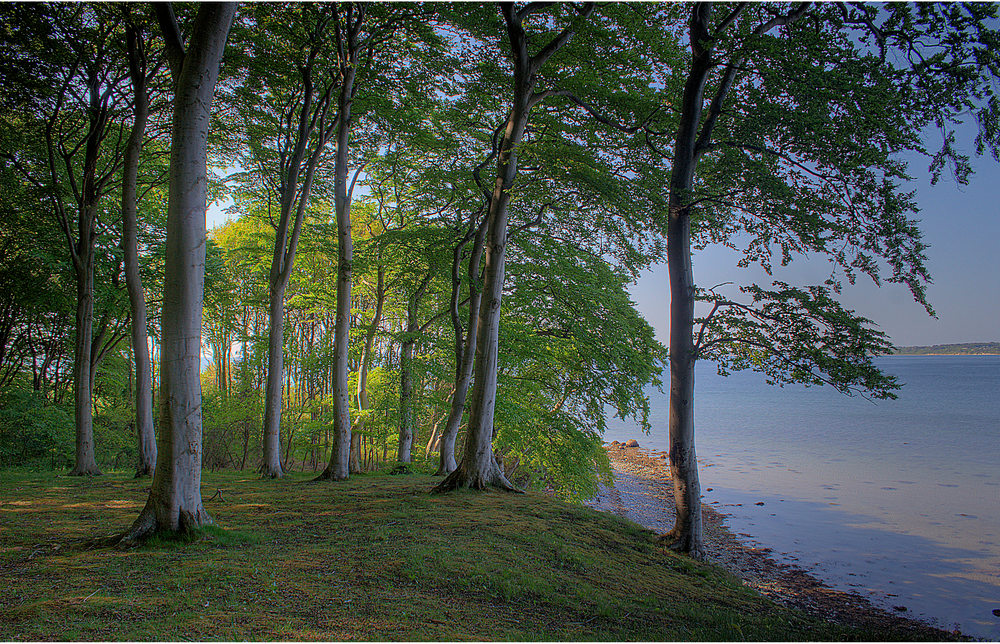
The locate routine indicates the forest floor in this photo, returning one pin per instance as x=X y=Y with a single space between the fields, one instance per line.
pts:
x=373 y=558
x=643 y=491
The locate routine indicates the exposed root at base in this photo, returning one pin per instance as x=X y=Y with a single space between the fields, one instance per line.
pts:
x=494 y=480
x=146 y=527
x=327 y=475
x=270 y=472
x=683 y=544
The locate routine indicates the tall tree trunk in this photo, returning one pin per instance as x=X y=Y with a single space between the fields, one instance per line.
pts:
x=686 y=535
x=86 y=463
x=271 y=459
x=133 y=281
x=405 y=401
x=174 y=503
x=294 y=202
x=338 y=468
x=465 y=351
x=479 y=468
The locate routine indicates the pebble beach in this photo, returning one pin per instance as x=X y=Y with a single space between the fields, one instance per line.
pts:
x=642 y=492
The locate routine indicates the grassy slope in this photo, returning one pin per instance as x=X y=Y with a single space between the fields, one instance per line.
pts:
x=374 y=558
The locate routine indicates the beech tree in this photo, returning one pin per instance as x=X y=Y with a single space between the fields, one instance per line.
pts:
x=79 y=104
x=785 y=131
x=141 y=75
x=363 y=35
x=569 y=161
x=174 y=503
x=286 y=98
x=479 y=468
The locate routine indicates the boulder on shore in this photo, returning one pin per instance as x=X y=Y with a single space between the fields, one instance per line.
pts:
x=632 y=443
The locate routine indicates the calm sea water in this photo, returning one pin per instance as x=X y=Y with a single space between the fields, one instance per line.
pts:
x=895 y=500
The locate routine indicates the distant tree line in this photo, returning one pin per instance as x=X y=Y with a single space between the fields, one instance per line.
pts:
x=961 y=349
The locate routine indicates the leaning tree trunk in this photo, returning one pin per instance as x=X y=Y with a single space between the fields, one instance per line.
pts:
x=133 y=280
x=174 y=504
x=338 y=468
x=86 y=463
x=271 y=461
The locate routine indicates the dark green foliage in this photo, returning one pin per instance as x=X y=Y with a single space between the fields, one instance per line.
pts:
x=796 y=335
x=33 y=431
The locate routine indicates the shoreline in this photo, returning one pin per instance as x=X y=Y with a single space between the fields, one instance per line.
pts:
x=643 y=493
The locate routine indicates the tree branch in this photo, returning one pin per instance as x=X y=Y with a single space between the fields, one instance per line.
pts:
x=173 y=41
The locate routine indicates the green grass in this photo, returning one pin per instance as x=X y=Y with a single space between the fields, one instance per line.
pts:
x=373 y=558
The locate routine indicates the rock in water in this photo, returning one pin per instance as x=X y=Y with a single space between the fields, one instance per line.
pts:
x=632 y=443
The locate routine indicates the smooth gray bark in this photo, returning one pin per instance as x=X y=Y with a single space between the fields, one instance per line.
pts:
x=479 y=468
x=271 y=453
x=86 y=463
x=694 y=136
x=174 y=503
x=133 y=281
x=687 y=534
x=295 y=194
x=465 y=350
x=82 y=254
x=338 y=468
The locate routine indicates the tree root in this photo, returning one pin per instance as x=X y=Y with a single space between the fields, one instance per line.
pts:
x=683 y=544
x=327 y=475
x=481 y=481
x=146 y=527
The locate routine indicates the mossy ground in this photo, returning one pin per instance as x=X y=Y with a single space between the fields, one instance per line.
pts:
x=373 y=558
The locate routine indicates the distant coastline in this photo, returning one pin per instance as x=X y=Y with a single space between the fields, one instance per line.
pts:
x=964 y=349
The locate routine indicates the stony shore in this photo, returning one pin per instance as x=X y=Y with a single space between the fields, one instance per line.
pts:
x=643 y=493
